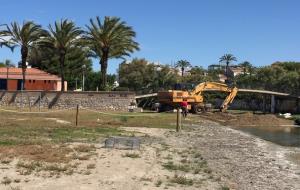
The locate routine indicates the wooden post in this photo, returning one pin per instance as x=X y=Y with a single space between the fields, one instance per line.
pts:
x=77 y=110
x=40 y=102
x=178 y=120
x=29 y=105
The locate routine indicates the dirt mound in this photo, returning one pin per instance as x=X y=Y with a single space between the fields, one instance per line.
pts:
x=247 y=119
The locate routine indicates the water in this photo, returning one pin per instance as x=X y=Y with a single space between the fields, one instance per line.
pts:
x=289 y=136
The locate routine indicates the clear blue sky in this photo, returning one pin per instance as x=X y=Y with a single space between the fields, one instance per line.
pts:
x=200 y=31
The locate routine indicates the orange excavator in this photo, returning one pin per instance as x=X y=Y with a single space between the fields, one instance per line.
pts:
x=170 y=99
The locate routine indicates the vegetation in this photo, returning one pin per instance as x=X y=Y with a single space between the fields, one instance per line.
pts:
x=227 y=58
x=182 y=64
x=280 y=76
x=59 y=51
x=24 y=36
x=141 y=76
x=62 y=38
x=111 y=38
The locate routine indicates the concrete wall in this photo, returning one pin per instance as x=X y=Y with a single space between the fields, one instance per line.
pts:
x=58 y=100
x=282 y=105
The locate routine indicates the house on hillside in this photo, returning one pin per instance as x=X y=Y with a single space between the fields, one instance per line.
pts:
x=234 y=71
x=216 y=67
x=11 y=79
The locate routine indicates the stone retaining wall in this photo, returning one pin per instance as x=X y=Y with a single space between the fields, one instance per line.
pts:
x=62 y=100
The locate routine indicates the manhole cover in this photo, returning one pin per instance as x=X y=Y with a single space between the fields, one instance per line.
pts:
x=122 y=143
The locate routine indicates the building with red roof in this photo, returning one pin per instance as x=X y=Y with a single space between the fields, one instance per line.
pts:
x=11 y=79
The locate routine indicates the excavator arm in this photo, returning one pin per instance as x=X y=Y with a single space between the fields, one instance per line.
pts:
x=214 y=86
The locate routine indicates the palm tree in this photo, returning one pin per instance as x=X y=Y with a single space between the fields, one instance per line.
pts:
x=111 y=38
x=227 y=58
x=246 y=66
x=24 y=36
x=61 y=38
x=182 y=64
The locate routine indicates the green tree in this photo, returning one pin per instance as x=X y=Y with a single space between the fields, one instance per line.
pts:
x=62 y=38
x=182 y=64
x=247 y=67
x=111 y=38
x=48 y=60
x=227 y=59
x=144 y=77
x=23 y=36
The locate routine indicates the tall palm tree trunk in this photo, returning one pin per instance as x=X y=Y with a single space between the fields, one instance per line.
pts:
x=62 y=65
x=103 y=63
x=226 y=70
x=182 y=71
x=24 y=53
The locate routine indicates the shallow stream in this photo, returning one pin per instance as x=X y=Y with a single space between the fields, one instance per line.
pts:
x=288 y=136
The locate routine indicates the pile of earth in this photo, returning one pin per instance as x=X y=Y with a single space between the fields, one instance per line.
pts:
x=247 y=119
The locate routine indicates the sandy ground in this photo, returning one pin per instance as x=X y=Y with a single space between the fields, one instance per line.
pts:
x=235 y=160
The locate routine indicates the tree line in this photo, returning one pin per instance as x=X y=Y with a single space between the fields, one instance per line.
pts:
x=64 y=47
x=145 y=77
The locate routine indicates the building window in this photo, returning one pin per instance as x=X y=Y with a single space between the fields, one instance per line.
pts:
x=29 y=81
x=49 y=81
x=33 y=81
x=45 y=81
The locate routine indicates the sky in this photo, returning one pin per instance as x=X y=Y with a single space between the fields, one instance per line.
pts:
x=200 y=31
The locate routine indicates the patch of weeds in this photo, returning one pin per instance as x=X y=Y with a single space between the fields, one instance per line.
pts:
x=29 y=167
x=146 y=179
x=6 y=160
x=85 y=148
x=198 y=155
x=172 y=166
x=207 y=170
x=91 y=166
x=184 y=161
x=123 y=119
x=182 y=180
x=197 y=171
x=225 y=188
x=132 y=155
x=55 y=167
x=17 y=180
x=87 y=172
x=69 y=172
x=169 y=157
x=81 y=157
x=158 y=183
x=6 y=181
x=202 y=164
x=15 y=188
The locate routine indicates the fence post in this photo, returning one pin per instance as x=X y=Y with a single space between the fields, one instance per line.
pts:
x=77 y=110
x=178 y=120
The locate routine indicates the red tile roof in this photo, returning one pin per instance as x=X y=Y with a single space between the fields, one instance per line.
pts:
x=31 y=74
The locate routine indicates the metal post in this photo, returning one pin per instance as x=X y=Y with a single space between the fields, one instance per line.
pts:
x=273 y=104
